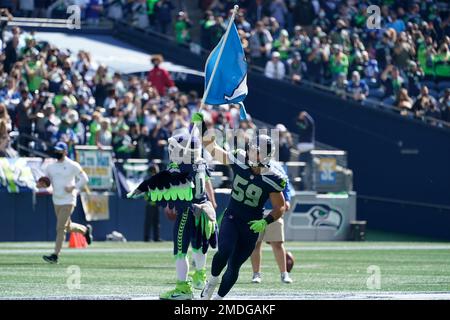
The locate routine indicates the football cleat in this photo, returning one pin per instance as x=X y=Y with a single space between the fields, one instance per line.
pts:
x=52 y=258
x=199 y=279
x=256 y=277
x=182 y=291
x=285 y=278
x=209 y=288
x=88 y=234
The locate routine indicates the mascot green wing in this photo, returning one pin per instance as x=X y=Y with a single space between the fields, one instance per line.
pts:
x=167 y=187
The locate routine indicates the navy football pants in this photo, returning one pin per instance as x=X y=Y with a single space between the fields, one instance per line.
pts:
x=184 y=233
x=236 y=244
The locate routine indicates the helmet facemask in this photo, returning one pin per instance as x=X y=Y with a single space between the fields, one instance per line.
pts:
x=260 y=151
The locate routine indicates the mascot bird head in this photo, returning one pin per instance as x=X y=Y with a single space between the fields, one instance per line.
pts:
x=178 y=153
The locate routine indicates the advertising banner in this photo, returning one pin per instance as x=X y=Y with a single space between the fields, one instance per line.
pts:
x=95 y=206
x=97 y=163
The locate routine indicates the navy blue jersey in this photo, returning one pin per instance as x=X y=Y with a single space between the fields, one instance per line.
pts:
x=251 y=191
x=199 y=173
x=288 y=191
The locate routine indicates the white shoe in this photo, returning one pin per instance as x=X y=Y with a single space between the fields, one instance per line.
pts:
x=209 y=288
x=256 y=277
x=285 y=278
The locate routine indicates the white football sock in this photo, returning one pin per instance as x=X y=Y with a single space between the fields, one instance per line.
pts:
x=199 y=259
x=213 y=280
x=217 y=297
x=182 y=266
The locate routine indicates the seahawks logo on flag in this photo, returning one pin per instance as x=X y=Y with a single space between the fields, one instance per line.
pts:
x=229 y=82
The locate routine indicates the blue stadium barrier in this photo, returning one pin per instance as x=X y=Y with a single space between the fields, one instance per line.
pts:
x=21 y=220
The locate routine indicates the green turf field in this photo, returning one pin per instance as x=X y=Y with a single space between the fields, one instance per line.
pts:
x=323 y=270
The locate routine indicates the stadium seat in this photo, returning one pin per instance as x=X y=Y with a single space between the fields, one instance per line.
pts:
x=389 y=100
x=430 y=84
x=376 y=93
x=443 y=85
x=434 y=93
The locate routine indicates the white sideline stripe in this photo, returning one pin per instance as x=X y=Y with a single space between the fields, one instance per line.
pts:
x=269 y=296
x=353 y=296
x=337 y=296
x=168 y=248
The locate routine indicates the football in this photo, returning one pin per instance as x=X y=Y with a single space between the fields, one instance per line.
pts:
x=171 y=214
x=289 y=261
x=45 y=181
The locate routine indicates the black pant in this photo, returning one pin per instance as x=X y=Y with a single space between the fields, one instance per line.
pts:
x=151 y=222
x=236 y=244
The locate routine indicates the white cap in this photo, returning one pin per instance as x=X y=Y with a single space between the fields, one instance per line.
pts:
x=281 y=127
x=173 y=89
x=275 y=54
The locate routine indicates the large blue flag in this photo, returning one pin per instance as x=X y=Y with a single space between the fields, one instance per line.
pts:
x=229 y=84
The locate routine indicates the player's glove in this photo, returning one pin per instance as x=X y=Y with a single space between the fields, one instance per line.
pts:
x=197 y=117
x=258 y=226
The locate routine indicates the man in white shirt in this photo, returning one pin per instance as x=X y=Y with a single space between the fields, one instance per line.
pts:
x=275 y=69
x=61 y=175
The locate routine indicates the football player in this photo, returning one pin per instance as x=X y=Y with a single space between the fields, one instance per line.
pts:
x=254 y=182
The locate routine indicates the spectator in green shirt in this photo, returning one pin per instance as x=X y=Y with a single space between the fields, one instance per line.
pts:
x=151 y=11
x=182 y=27
x=94 y=127
x=65 y=94
x=122 y=143
x=283 y=45
x=338 y=62
x=34 y=70
x=441 y=61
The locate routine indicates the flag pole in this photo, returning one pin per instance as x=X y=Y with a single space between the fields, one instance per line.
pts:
x=208 y=86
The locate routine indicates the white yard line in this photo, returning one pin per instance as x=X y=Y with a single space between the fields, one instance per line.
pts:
x=4 y=251
x=292 y=296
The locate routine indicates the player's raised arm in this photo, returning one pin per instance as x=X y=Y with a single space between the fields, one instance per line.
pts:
x=208 y=141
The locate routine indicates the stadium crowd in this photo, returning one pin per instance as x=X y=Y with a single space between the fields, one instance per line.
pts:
x=403 y=62
x=48 y=94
